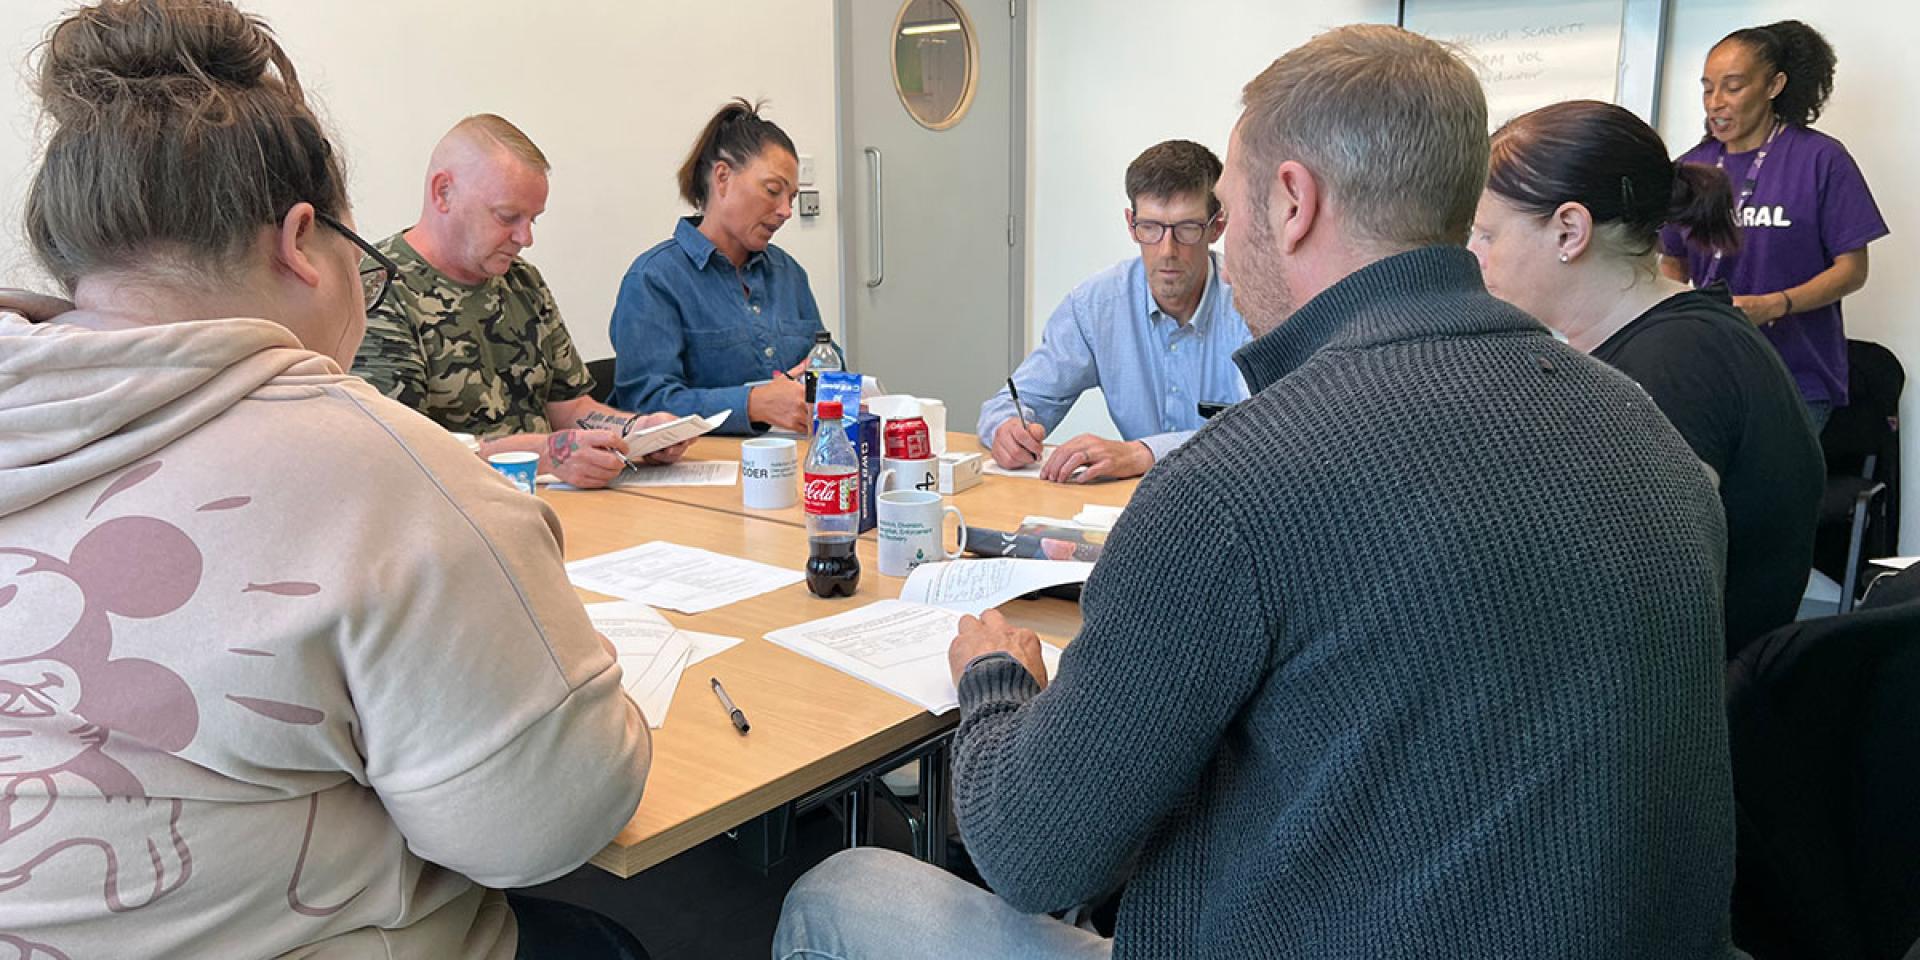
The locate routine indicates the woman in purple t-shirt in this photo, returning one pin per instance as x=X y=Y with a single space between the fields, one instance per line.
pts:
x=1804 y=210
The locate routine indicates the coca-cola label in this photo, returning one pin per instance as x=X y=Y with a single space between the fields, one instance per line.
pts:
x=830 y=494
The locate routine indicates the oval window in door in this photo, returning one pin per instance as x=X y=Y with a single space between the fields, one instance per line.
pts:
x=936 y=61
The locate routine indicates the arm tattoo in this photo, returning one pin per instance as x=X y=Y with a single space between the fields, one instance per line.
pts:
x=597 y=420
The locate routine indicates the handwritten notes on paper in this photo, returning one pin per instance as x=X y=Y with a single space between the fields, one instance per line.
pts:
x=686 y=579
x=897 y=646
x=974 y=586
x=1530 y=55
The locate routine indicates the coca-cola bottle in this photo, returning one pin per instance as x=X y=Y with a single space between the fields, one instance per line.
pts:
x=832 y=499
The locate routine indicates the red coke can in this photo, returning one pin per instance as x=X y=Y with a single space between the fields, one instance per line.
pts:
x=907 y=439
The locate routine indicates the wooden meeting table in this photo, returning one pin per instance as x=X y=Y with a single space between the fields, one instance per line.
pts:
x=812 y=726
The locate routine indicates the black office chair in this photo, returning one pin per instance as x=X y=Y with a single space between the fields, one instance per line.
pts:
x=1892 y=588
x=1824 y=724
x=1860 y=511
x=602 y=373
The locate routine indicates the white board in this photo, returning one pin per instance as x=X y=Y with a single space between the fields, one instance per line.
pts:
x=1529 y=55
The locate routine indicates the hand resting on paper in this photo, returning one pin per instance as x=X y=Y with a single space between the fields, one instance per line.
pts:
x=1087 y=458
x=990 y=633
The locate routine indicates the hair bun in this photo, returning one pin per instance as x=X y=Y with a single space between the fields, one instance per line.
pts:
x=127 y=52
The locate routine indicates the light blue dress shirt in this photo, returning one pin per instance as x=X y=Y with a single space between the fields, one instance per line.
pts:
x=690 y=332
x=1110 y=333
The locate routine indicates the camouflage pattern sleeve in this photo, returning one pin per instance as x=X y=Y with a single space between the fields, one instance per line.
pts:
x=568 y=376
x=390 y=357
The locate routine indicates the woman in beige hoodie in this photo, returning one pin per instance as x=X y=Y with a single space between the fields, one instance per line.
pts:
x=283 y=668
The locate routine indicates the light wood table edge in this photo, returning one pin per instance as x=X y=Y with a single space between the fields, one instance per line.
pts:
x=623 y=860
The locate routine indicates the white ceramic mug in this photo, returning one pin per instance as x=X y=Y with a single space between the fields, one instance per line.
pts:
x=909 y=474
x=769 y=467
x=911 y=522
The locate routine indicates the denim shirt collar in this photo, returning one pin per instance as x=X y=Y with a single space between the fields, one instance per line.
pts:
x=700 y=250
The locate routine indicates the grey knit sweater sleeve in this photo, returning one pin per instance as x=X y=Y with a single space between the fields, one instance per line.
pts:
x=1056 y=792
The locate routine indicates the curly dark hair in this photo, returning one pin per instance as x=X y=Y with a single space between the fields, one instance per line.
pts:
x=1800 y=52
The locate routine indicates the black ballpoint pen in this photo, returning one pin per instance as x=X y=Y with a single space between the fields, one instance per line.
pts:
x=726 y=703
x=1014 y=393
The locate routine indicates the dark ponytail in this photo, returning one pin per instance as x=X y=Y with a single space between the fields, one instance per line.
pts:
x=1800 y=52
x=736 y=134
x=1606 y=159
x=1702 y=206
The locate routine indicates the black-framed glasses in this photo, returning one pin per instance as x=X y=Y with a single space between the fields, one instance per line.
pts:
x=1186 y=232
x=377 y=270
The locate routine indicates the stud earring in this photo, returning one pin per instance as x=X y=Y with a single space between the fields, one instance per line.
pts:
x=1563 y=258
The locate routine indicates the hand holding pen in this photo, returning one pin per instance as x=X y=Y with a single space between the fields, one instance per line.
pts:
x=1017 y=443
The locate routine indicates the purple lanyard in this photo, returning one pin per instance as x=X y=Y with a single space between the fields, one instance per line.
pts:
x=1746 y=191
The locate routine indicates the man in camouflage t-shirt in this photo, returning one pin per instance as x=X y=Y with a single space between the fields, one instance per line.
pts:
x=469 y=334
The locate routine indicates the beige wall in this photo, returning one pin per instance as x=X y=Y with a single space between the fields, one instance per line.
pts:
x=613 y=91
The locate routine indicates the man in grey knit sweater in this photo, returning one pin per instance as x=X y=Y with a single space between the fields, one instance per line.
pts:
x=1415 y=653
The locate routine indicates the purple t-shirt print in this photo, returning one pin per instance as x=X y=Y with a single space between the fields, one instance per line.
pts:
x=1809 y=205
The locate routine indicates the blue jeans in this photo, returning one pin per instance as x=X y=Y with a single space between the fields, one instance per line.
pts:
x=873 y=904
x=1819 y=411
x=563 y=931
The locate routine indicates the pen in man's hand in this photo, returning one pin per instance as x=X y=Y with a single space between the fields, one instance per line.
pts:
x=1014 y=392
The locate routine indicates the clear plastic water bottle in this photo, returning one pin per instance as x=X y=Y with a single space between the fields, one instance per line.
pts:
x=832 y=502
x=824 y=357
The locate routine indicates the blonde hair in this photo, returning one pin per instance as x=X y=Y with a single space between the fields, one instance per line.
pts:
x=1394 y=124
x=495 y=128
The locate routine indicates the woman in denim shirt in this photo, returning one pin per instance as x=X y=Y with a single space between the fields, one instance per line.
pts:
x=717 y=317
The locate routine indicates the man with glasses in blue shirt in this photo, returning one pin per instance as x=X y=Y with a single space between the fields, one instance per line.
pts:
x=1156 y=333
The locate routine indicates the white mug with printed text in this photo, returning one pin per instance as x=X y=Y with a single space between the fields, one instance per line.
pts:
x=769 y=471
x=911 y=528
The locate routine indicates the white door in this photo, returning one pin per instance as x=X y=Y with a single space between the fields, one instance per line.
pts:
x=932 y=102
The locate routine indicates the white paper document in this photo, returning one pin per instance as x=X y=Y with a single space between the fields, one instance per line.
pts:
x=686 y=579
x=707 y=645
x=993 y=467
x=642 y=442
x=897 y=646
x=685 y=473
x=1094 y=516
x=974 y=586
x=652 y=654
x=1895 y=563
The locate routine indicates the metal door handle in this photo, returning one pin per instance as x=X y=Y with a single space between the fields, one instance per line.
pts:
x=878 y=259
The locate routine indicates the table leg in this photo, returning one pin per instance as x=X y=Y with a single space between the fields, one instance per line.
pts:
x=933 y=805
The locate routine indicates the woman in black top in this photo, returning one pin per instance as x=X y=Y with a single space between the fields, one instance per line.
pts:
x=1566 y=230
